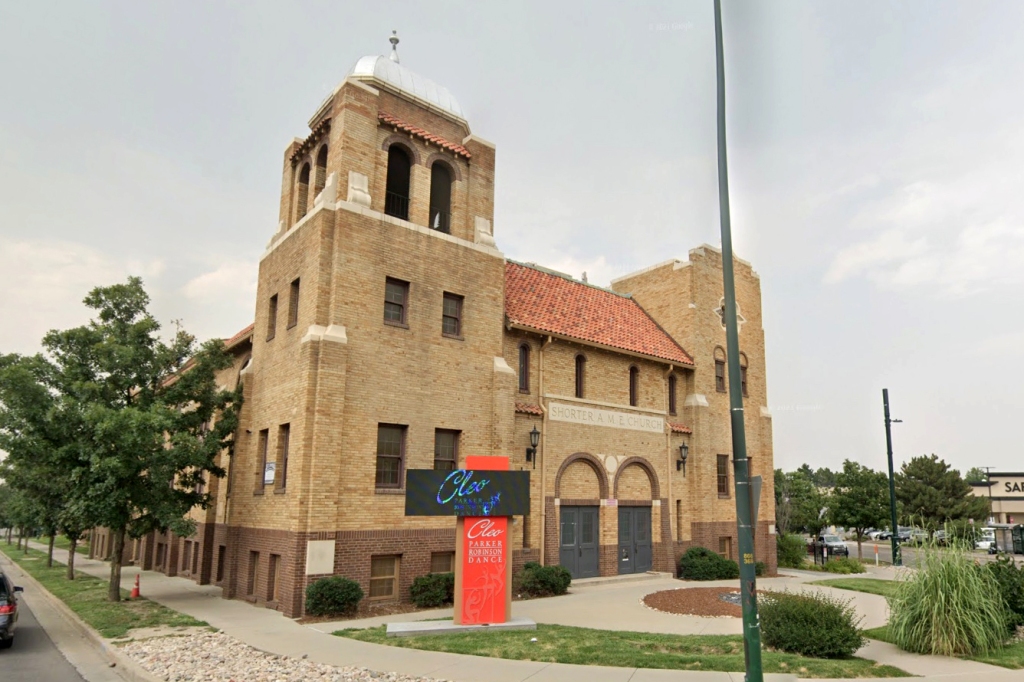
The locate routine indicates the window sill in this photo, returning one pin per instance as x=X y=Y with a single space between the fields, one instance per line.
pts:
x=724 y=497
x=454 y=337
x=280 y=491
x=269 y=339
x=524 y=391
x=258 y=491
x=401 y=325
x=718 y=390
x=293 y=325
x=389 y=491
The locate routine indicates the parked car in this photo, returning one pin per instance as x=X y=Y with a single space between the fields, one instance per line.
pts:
x=940 y=538
x=8 y=611
x=835 y=545
x=874 y=534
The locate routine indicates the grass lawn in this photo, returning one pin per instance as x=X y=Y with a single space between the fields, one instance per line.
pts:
x=584 y=646
x=870 y=585
x=1009 y=656
x=87 y=597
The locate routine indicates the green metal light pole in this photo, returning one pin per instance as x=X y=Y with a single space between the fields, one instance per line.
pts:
x=896 y=559
x=741 y=464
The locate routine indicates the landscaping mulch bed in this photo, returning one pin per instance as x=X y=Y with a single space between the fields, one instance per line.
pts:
x=694 y=601
x=366 y=611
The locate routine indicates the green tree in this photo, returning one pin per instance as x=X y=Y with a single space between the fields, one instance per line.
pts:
x=798 y=503
x=860 y=500
x=976 y=475
x=931 y=492
x=148 y=405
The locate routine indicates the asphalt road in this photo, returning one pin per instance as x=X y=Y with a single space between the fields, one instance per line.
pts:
x=34 y=658
x=909 y=553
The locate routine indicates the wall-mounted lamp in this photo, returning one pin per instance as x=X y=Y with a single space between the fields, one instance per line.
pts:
x=684 y=452
x=531 y=452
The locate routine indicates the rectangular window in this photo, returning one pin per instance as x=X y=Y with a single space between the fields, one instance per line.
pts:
x=186 y=555
x=725 y=547
x=383 y=577
x=222 y=552
x=293 y=305
x=283 y=437
x=720 y=376
x=524 y=368
x=272 y=575
x=743 y=380
x=634 y=388
x=679 y=520
x=261 y=453
x=442 y=562
x=723 y=475
x=581 y=366
x=390 y=454
x=672 y=394
x=195 y=558
x=451 y=315
x=446 y=450
x=272 y=318
x=396 y=298
x=254 y=564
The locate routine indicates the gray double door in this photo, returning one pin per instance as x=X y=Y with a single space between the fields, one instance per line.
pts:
x=577 y=547
x=634 y=539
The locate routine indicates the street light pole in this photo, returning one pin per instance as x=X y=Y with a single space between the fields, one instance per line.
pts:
x=741 y=463
x=896 y=560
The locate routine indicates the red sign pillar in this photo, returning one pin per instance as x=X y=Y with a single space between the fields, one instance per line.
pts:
x=483 y=570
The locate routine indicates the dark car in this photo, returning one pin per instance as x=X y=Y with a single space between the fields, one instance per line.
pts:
x=8 y=611
x=834 y=545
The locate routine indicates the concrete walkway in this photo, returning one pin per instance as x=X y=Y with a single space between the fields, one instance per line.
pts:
x=611 y=606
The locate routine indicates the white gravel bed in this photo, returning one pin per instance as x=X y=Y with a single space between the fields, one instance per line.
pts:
x=216 y=657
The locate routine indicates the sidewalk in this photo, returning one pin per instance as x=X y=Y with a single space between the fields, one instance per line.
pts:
x=607 y=606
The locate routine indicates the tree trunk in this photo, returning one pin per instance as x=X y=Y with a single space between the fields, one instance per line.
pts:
x=49 y=553
x=71 y=559
x=114 y=590
x=860 y=550
x=24 y=535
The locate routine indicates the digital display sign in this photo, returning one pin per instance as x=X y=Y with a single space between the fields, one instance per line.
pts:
x=467 y=492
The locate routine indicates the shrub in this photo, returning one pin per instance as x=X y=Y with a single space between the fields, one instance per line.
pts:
x=1010 y=578
x=791 y=550
x=949 y=607
x=844 y=566
x=433 y=589
x=810 y=624
x=700 y=563
x=333 y=596
x=544 y=581
x=760 y=568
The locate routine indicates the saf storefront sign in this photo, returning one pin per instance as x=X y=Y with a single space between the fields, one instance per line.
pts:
x=482 y=497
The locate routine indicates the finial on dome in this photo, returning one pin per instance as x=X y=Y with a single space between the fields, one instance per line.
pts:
x=394 y=46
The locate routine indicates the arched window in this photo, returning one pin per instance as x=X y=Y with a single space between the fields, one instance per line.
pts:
x=634 y=385
x=720 y=370
x=743 y=374
x=581 y=366
x=440 y=197
x=671 y=393
x=524 y=368
x=320 y=178
x=396 y=198
x=302 y=195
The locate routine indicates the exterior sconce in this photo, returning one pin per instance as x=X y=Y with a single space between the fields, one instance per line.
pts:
x=531 y=452
x=684 y=452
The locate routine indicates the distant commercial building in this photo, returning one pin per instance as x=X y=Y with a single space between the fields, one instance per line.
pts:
x=1006 y=490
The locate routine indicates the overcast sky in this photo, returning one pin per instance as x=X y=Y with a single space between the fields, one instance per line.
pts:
x=876 y=160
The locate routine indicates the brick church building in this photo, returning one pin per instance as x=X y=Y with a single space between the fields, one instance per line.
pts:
x=391 y=333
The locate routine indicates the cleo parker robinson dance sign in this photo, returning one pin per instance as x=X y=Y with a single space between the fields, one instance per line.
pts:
x=483 y=499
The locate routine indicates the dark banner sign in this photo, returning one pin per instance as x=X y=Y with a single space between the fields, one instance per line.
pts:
x=467 y=492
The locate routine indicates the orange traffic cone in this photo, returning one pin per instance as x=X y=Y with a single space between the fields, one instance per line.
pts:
x=135 y=590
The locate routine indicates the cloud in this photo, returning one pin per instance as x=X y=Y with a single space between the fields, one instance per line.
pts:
x=45 y=282
x=236 y=279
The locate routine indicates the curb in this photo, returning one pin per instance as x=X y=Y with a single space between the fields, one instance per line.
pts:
x=125 y=666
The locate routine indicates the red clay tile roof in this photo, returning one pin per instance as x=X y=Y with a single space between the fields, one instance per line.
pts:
x=550 y=303
x=228 y=343
x=679 y=428
x=421 y=133
x=529 y=408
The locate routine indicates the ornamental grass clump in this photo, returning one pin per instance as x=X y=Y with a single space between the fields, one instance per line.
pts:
x=949 y=606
